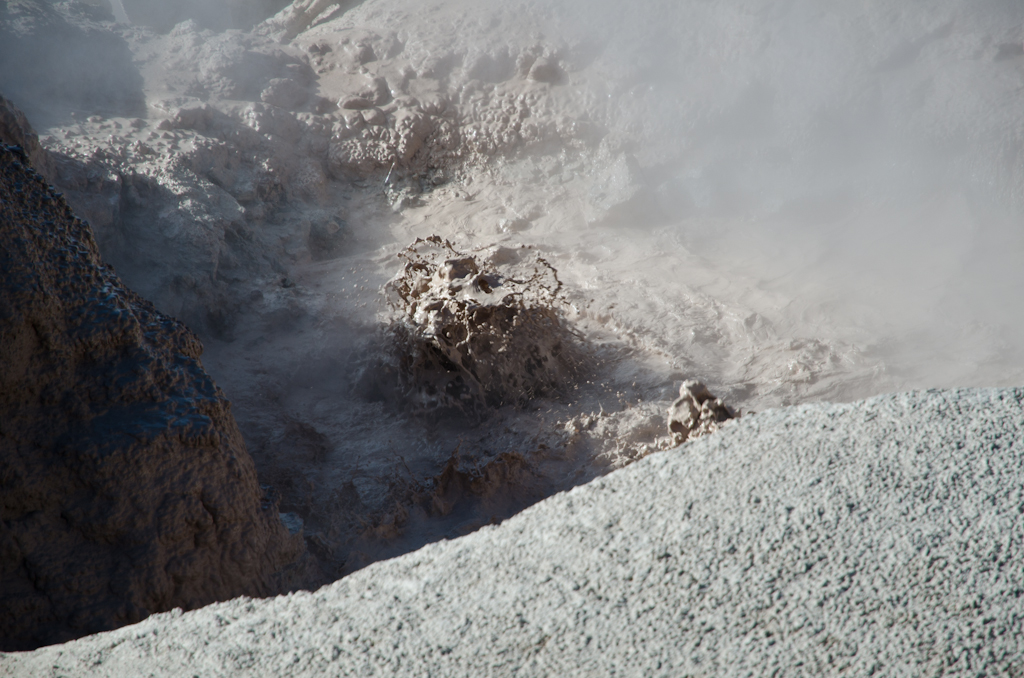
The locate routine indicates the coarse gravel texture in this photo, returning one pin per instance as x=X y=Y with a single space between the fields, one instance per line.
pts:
x=880 y=537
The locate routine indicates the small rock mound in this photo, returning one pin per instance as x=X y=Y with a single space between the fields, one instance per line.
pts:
x=125 y=486
x=696 y=412
x=472 y=332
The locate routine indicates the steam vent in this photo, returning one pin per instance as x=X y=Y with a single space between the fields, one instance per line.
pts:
x=494 y=338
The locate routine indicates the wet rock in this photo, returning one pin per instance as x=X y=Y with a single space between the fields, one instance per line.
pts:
x=434 y=104
x=509 y=480
x=308 y=180
x=272 y=121
x=376 y=90
x=469 y=335
x=696 y=412
x=413 y=127
x=356 y=103
x=374 y=117
x=326 y=238
x=324 y=105
x=203 y=118
x=125 y=486
x=94 y=191
x=411 y=138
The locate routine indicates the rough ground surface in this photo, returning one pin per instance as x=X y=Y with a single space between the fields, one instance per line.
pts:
x=125 y=485
x=882 y=537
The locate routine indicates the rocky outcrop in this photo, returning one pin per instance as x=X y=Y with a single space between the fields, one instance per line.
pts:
x=90 y=187
x=15 y=130
x=696 y=412
x=125 y=486
x=468 y=333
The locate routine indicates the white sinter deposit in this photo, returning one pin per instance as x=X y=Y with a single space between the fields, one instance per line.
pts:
x=789 y=201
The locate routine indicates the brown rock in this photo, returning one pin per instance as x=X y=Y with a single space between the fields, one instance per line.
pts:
x=696 y=412
x=92 y=188
x=125 y=486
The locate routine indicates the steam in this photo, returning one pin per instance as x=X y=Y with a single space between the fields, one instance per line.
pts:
x=120 y=16
x=861 y=161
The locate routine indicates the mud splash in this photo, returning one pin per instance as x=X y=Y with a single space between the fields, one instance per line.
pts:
x=475 y=331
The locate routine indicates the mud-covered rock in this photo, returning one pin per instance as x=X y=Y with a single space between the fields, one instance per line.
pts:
x=202 y=118
x=284 y=93
x=696 y=412
x=125 y=486
x=546 y=70
x=326 y=237
x=470 y=333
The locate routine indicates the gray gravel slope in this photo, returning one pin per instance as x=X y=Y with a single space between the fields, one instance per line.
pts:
x=881 y=537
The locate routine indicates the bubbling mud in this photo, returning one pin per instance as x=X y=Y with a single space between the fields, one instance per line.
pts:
x=472 y=331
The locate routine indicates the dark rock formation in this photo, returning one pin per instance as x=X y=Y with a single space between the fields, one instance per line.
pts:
x=125 y=486
x=91 y=188
x=15 y=130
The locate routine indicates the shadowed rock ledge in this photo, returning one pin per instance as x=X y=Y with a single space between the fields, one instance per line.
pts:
x=125 y=485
